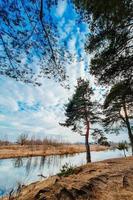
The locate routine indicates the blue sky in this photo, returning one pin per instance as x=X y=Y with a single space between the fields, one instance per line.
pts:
x=37 y=111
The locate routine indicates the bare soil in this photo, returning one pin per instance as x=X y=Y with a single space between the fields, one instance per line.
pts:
x=110 y=179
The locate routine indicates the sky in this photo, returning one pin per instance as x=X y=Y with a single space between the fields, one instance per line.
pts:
x=37 y=111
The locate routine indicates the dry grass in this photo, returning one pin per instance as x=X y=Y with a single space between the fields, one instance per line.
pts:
x=15 y=150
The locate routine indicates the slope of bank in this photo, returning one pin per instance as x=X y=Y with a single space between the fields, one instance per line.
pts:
x=13 y=151
x=110 y=179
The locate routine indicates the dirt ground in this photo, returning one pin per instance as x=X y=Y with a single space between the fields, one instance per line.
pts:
x=13 y=151
x=110 y=179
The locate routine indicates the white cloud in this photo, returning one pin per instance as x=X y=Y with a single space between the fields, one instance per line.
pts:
x=61 y=7
x=51 y=97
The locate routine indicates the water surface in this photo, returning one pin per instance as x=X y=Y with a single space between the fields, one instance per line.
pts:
x=27 y=170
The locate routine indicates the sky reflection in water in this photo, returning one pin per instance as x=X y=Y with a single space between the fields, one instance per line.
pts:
x=27 y=170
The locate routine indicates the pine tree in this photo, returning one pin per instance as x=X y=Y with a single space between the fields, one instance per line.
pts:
x=81 y=112
x=110 y=40
x=118 y=109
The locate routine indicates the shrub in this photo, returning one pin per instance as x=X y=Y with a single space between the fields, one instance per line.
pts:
x=123 y=146
x=66 y=170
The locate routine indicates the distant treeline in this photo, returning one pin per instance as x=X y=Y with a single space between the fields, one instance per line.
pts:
x=23 y=139
x=5 y=142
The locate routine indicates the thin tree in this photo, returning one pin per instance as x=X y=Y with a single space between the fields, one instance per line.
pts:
x=80 y=112
x=123 y=146
x=22 y=139
x=118 y=109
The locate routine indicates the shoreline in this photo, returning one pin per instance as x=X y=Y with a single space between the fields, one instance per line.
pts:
x=108 y=179
x=15 y=151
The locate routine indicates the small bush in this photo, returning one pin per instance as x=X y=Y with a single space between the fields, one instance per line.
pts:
x=123 y=146
x=66 y=170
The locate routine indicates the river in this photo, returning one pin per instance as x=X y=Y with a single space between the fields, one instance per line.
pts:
x=23 y=171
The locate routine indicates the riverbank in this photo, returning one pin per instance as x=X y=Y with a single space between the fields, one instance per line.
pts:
x=110 y=179
x=14 y=151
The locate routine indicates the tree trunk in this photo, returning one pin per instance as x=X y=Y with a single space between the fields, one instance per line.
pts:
x=88 y=155
x=128 y=126
x=124 y=152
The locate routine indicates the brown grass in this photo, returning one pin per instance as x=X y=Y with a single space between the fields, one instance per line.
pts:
x=15 y=150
